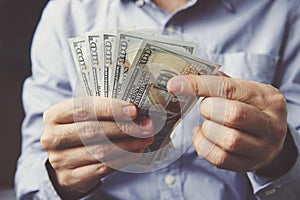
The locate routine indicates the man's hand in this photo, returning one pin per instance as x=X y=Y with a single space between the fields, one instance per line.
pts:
x=85 y=139
x=245 y=122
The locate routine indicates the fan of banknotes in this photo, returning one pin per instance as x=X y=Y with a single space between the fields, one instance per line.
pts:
x=135 y=67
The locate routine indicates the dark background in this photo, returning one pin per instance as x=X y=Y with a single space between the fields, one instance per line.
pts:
x=18 y=19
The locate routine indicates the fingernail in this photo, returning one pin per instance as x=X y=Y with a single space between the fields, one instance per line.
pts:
x=129 y=111
x=175 y=85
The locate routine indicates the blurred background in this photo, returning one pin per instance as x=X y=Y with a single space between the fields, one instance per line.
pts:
x=18 y=19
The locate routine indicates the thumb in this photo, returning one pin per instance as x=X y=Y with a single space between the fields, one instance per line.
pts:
x=187 y=85
x=200 y=85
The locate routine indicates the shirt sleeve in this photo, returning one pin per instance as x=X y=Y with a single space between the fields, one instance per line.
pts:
x=288 y=81
x=47 y=86
x=285 y=187
x=54 y=79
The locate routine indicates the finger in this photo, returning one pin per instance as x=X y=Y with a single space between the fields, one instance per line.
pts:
x=218 y=157
x=76 y=134
x=236 y=114
x=104 y=152
x=232 y=140
x=83 y=179
x=220 y=86
x=90 y=108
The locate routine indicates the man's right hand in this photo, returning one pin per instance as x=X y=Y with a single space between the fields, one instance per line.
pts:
x=77 y=134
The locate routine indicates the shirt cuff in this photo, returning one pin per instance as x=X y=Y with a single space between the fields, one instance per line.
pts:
x=51 y=172
x=285 y=187
x=32 y=181
x=46 y=189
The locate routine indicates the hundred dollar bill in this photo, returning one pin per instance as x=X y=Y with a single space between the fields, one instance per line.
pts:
x=127 y=46
x=94 y=45
x=146 y=85
x=80 y=54
x=109 y=42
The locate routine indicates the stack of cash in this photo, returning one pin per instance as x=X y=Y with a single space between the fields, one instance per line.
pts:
x=135 y=67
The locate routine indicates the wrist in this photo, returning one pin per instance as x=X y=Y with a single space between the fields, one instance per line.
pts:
x=284 y=161
x=63 y=192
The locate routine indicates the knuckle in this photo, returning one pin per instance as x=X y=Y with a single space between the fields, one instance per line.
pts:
x=107 y=110
x=271 y=89
x=226 y=89
x=81 y=109
x=44 y=141
x=197 y=141
x=64 y=178
x=205 y=107
x=90 y=130
x=81 y=113
x=47 y=141
x=277 y=99
x=221 y=159
x=235 y=114
x=280 y=130
x=279 y=102
x=67 y=133
x=206 y=126
x=101 y=151
x=196 y=87
x=232 y=142
x=54 y=160
x=48 y=116
x=126 y=128
x=51 y=114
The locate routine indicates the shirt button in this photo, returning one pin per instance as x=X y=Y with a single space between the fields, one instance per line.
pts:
x=170 y=29
x=139 y=3
x=169 y=180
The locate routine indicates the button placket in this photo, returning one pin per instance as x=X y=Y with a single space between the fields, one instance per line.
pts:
x=170 y=179
x=170 y=29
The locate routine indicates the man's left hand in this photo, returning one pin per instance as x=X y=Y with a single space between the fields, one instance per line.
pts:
x=245 y=122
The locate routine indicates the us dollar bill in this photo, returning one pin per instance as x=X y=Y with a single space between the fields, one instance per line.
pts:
x=146 y=86
x=109 y=43
x=127 y=46
x=94 y=40
x=79 y=51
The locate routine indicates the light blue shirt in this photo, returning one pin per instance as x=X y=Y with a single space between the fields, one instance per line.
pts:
x=252 y=39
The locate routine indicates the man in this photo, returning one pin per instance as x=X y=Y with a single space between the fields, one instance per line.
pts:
x=247 y=139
